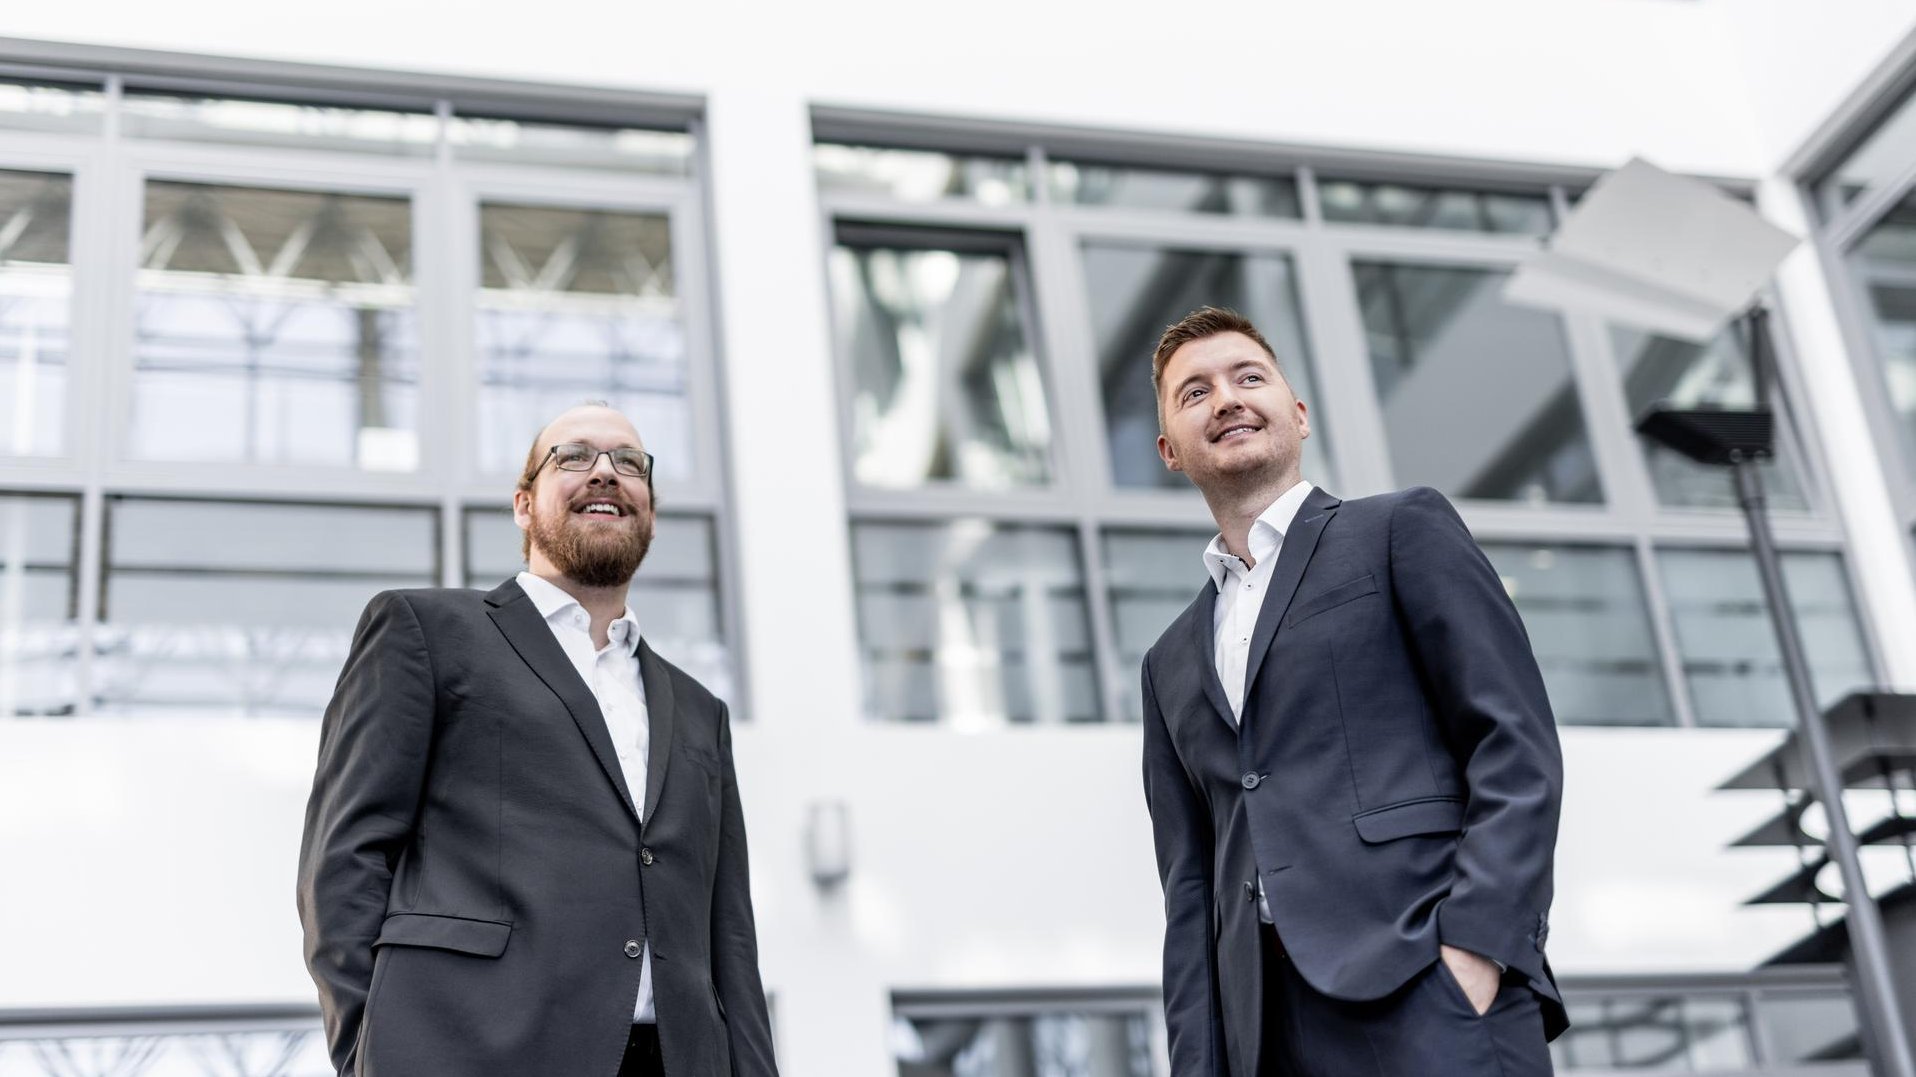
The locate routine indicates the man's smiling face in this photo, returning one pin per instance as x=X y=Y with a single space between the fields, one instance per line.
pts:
x=1229 y=417
x=593 y=526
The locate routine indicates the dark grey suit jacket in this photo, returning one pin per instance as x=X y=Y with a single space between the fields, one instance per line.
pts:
x=474 y=881
x=1394 y=780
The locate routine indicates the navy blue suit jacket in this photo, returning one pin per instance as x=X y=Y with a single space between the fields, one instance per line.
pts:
x=1394 y=780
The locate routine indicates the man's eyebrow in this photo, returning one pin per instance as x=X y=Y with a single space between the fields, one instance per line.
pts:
x=1260 y=364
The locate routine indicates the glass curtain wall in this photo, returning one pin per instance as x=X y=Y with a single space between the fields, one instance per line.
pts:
x=320 y=339
x=995 y=314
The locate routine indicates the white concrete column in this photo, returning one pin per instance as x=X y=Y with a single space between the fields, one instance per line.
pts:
x=795 y=588
x=1835 y=403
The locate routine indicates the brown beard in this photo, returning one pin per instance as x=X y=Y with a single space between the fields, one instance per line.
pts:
x=591 y=560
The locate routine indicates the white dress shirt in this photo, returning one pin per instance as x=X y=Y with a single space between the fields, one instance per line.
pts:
x=613 y=676
x=1240 y=595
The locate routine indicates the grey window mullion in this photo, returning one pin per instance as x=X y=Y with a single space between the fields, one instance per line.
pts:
x=1803 y=441
x=1098 y=609
x=1373 y=242
x=1353 y=418
x=1663 y=625
x=1068 y=461
x=1181 y=230
x=948 y=214
x=1848 y=299
x=1863 y=214
x=445 y=344
x=90 y=584
x=691 y=276
x=118 y=254
x=1064 y=325
x=1627 y=488
x=1309 y=201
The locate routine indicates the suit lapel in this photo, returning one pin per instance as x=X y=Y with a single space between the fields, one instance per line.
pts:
x=1203 y=632
x=518 y=619
x=661 y=716
x=1292 y=557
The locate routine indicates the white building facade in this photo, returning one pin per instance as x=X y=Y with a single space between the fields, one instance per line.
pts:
x=280 y=311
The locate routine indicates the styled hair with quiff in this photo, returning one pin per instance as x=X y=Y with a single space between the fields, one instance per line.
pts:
x=1201 y=324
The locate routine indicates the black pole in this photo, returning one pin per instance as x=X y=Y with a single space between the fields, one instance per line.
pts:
x=1868 y=943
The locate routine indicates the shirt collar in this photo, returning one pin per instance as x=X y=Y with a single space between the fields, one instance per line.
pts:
x=1267 y=533
x=552 y=600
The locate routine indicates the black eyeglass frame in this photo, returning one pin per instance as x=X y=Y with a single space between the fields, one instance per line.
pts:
x=552 y=457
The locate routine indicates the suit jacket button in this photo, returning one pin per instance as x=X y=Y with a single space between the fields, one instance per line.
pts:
x=632 y=948
x=1250 y=780
x=645 y=857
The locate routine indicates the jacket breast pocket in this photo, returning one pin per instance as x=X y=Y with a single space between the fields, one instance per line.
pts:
x=480 y=938
x=1425 y=815
x=1331 y=598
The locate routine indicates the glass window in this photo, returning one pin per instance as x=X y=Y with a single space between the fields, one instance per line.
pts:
x=921 y=175
x=36 y=289
x=1150 y=576
x=1048 y=1044
x=1135 y=291
x=1657 y=1033
x=675 y=594
x=946 y=383
x=579 y=304
x=1810 y=1027
x=1885 y=265
x=1888 y=152
x=1728 y=645
x=1477 y=395
x=973 y=624
x=237 y=609
x=39 y=635
x=275 y=327
x=1400 y=205
x=1088 y=184
x=1660 y=369
x=1589 y=624
x=629 y=149
x=45 y=107
x=279 y=123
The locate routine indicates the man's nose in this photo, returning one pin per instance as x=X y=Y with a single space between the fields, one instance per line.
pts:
x=1224 y=399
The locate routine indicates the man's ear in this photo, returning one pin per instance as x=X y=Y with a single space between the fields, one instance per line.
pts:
x=1303 y=421
x=522 y=508
x=1168 y=454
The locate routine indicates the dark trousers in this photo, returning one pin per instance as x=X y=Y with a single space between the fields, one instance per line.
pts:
x=1426 y=1028
x=642 y=1053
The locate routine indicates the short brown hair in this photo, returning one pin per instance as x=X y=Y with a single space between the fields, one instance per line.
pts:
x=1201 y=324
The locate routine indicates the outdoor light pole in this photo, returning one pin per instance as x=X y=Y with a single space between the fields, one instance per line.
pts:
x=1740 y=439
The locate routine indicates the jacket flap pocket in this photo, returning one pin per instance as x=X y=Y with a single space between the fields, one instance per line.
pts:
x=1431 y=815
x=1331 y=597
x=485 y=938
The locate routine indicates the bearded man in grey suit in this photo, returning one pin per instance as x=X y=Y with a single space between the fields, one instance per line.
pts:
x=1350 y=761
x=524 y=853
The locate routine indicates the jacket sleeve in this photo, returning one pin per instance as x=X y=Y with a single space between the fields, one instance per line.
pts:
x=735 y=975
x=1489 y=699
x=373 y=748
x=1181 y=828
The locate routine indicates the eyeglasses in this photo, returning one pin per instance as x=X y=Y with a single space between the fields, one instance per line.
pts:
x=572 y=456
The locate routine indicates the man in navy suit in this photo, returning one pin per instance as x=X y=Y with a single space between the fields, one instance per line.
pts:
x=1350 y=761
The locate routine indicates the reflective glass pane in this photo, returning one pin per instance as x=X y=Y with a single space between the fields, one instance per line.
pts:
x=628 y=149
x=39 y=636
x=275 y=327
x=1354 y=202
x=675 y=594
x=921 y=175
x=946 y=383
x=1477 y=395
x=279 y=123
x=973 y=624
x=36 y=297
x=1803 y=1028
x=219 y=608
x=1888 y=152
x=1885 y=266
x=1680 y=373
x=1656 y=1034
x=1150 y=577
x=1728 y=645
x=44 y=107
x=1589 y=625
x=1089 y=184
x=1134 y=292
x=579 y=304
x=1035 y=1045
